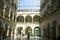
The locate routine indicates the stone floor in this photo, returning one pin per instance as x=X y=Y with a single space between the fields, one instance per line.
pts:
x=23 y=38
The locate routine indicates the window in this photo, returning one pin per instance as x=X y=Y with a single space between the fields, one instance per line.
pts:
x=7 y=12
x=28 y=18
x=37 y=31
x=36 y=18
x=20 y=19
x=19 y=29
x=53 y=30
x=11 y=15
x=1 y=7
x=28 y=31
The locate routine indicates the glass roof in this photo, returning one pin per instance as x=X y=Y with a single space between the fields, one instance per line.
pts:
x=28 y=4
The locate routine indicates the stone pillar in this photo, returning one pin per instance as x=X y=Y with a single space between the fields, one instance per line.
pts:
x=57 y=31
x=0 y=29
x=4 y=11
x=24 y=20
x=12 y=32
x=32 y=31
x=47 y=33
x=42 y=34
x=2 y=32
x=13 y=16
x=9 y=13
x=53 y=33
x=8 y=31
x=16 y=19
x=32 y=19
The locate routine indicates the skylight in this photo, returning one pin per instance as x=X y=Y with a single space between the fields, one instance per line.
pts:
x=28 y=4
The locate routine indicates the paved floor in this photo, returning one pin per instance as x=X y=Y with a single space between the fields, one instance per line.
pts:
x=23 y=38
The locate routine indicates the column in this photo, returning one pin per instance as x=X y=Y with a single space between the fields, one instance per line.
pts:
x=58 y=29
x=2 y=32
x=13 y=16
x=32 y=19
x=4 y=11
x=8 y=31
x=50 y=33
x=12 y=32
x=53 y=33
x=9 y=13
x=33 y=31
x=42 y=34
x=24 y=19
x=16 y=18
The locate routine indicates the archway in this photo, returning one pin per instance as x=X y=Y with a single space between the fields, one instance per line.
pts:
x=1 y=30
x=19 y=29
x=1 y=7
x=20 y=19
x=53 y=30
x=37 y=31
x=48 y=30
x=28 y=30
x=28 y=19
x=36 y=18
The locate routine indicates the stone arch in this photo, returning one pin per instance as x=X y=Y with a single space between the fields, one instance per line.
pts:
x=28 y=18
x=53 y=30
x=54 y=23
x=48 y=30
x=28 y=30
x=36 y=18
x=19 y=29
x=20 y=19
x=48 y=25
x=37 y=31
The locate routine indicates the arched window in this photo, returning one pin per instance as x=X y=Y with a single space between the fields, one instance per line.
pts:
x=7 y=12
x=1 y=30
x=28 y=31
x=28 y=19
x=48 y=30
x=54 y=23
x=20 y=19
x=1 y=7
x=36 y=18
x=11 y=15
x=19 y=29
x=53 y=30
x=37 y=31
